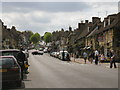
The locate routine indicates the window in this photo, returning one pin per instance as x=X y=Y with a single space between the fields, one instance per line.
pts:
x=109 y=21
x=6 y=62
x=88 y=29
x=104 y=24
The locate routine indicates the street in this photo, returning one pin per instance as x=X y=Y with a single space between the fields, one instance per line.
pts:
x=49 y=72
x=59 y=44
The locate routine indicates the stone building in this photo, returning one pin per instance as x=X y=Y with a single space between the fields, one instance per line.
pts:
x=91 y=39
x=60 y=39
x=106 y=35
x=11 y=38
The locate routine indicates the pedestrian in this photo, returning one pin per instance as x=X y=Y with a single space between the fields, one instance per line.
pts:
x=85 y=56
x=68 y=57
x=91 y=57
x=21 y=58
x=96 y=56
x=102 y=58
x=77 y=56
x=112 y=59
x=63 y=55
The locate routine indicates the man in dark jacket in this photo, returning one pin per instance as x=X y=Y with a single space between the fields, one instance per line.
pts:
x=63 y=55
x=112 y=58
x=21 y=58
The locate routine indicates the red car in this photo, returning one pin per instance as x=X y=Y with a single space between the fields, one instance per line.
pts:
x=10 y=69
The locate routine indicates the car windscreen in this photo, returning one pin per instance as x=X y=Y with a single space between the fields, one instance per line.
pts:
x=6 y=62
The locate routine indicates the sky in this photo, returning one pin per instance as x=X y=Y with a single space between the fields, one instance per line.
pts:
x=44 y=17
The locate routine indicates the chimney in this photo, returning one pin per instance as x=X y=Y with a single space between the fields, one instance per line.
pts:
x=5 y=27
x=81 y=21
x=81 y=25
x=62 y=29
x=86 y=21
x=13 y=28
x=95 y=19
x=8 y=29
x=111 y=18
x=105 y=22
x=70 y=28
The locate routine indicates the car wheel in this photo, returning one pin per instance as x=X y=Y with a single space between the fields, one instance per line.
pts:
x=19 y=83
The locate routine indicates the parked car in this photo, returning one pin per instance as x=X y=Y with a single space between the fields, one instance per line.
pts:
x=52 y=54
x=40 y=52
x=11 y=52
x=10 y=69
x=57 y=54
x=37 y=52
x=45 y=50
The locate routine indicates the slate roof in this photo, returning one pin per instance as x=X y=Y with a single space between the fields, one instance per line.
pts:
x=103 y=29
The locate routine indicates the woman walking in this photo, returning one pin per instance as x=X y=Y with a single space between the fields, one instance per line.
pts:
x=85 y=56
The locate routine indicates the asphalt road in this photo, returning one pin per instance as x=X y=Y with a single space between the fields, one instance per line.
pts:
x=49 y=72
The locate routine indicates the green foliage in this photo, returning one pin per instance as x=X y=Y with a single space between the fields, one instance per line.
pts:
x=47 y=37
x=35 y=38
x=30 y=33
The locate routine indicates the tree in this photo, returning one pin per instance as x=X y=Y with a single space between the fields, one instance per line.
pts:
x=47 y=37
x=35 y=38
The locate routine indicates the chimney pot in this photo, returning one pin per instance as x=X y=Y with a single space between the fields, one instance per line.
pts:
x=86 y=21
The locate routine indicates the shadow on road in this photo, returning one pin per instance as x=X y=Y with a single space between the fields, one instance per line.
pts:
x=14 y=85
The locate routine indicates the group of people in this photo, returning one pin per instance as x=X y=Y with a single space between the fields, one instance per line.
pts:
x=95 y=55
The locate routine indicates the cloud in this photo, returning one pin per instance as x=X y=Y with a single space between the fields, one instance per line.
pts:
x=43 y=6
x=51 y=16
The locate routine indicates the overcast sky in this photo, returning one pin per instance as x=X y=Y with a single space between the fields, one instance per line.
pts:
x=44 y=17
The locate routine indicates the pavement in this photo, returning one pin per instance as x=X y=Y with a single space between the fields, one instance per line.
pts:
x=81 y=61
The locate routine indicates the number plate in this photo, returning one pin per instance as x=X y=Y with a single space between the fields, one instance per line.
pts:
x=3 y=70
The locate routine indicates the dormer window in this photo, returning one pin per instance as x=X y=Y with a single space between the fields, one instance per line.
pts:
x=88 y=29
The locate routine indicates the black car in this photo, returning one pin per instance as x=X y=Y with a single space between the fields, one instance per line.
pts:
x=10 y=69
x=12 y=52
x=37 y=52
x=9 y=52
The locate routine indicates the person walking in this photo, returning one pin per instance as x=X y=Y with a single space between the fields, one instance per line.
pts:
x=68 y=57
x=102 y=58
x=21 y=58
x=63 y=55
x=91 y=57
x=96 y=56
x=112 y=59
x=85 y=56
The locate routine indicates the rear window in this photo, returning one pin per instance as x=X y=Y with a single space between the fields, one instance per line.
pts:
x=41 y=49
x=10 y=53
x=6 y=62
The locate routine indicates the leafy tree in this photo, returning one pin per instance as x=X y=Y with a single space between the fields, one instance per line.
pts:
x=35 y=38
x=47 y=37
